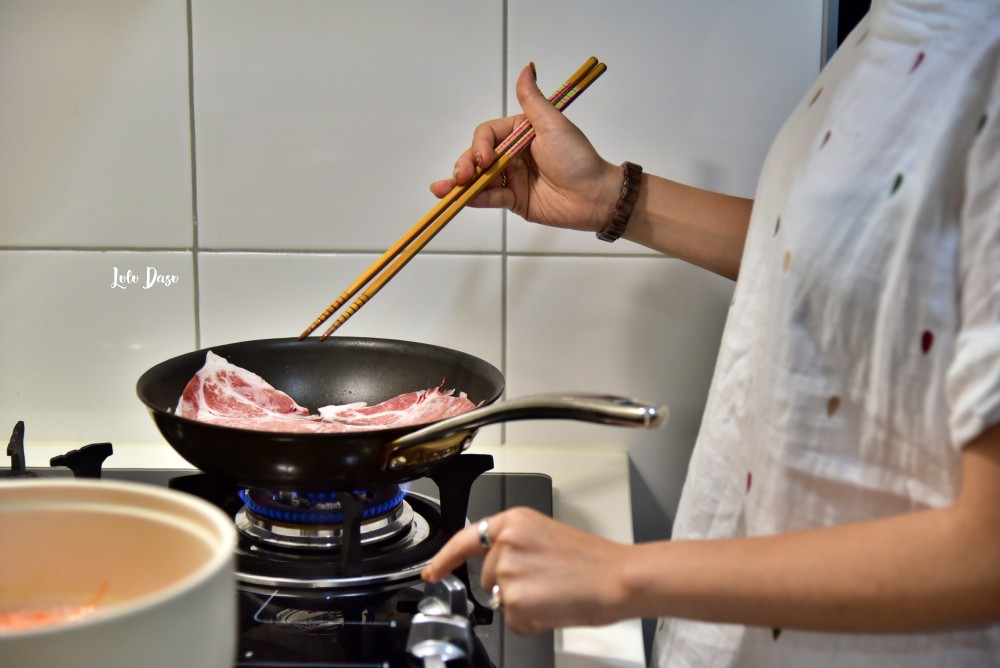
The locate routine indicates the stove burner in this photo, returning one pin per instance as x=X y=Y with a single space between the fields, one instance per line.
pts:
x=320 y=536
x=268 y=560
x=318 y=507
x=316 y=520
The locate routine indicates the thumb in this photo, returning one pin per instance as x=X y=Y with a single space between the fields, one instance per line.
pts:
x=536 y=107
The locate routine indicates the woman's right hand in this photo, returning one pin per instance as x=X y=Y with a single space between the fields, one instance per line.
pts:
x=559 y=180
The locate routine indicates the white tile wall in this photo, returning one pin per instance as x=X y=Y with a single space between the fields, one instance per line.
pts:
x=95 y=146
x=646 y=328
x=321 y=124
x=72 y=346
x=264 y=152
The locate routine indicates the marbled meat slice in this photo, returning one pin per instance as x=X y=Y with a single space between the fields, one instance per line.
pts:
x=407 y=409
x=225 y=394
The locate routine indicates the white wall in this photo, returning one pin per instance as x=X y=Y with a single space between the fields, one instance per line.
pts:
x=264 y=152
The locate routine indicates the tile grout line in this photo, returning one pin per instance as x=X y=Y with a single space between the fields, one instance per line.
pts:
x=195 y=264
x=503 y=254
x=504 y=62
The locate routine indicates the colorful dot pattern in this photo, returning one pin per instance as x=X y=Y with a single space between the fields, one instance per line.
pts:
x=926 y=337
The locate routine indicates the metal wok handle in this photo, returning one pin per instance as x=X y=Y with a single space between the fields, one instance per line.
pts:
x=456 y=432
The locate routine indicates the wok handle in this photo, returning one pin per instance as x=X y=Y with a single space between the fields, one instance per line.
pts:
x=600 y=408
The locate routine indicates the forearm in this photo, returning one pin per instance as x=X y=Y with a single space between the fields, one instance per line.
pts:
x=925 y=570
x=704 y=228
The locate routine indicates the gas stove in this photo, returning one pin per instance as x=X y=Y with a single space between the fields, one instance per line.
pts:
x=332 y=579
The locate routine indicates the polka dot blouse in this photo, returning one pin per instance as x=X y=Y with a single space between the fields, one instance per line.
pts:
x=862 y=349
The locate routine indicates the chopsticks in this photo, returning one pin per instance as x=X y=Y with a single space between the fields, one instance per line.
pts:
x=411 y=243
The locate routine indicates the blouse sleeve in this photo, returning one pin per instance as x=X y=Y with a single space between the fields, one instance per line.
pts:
x=973 y=382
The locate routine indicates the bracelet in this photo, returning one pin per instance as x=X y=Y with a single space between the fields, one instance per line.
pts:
x=626 y=202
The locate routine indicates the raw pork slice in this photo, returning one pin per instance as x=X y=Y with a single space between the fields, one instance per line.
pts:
x=225 y=394
x=405 y=410
x=228 y=395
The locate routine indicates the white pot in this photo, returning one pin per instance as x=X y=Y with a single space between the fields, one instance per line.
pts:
x=152 y=567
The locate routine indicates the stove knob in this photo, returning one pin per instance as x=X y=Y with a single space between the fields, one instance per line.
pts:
x=439 y=639
x=442 y=631
x=447 y=597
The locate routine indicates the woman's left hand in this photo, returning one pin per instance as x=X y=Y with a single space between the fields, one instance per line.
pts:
x=549 y=574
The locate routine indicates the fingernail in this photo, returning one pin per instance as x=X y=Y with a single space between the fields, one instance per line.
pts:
x=534 y=72
x=479 y=158
x=454 y=172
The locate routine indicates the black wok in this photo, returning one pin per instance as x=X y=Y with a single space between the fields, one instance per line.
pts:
x=343 y=370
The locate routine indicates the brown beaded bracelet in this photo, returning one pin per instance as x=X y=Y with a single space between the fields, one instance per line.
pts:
x=626 y=202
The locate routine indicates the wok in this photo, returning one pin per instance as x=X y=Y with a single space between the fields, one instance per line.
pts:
x=343 y=370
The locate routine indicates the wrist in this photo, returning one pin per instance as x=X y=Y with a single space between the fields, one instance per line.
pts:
x=632 y=581
x=602 y=194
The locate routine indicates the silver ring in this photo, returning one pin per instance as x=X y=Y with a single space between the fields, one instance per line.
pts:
x=496 y=601
x=503 y=179
x=483 y=529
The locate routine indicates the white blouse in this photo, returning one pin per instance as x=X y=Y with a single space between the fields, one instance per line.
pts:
x=862 y=348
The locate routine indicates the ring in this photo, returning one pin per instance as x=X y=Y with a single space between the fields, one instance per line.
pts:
x=483 y=529
x=496 y=601
x=503 y=179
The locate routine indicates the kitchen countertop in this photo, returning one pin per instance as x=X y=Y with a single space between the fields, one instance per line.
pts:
x=591 y=492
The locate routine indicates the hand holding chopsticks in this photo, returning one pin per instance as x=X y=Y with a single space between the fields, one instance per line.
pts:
x=411 y=243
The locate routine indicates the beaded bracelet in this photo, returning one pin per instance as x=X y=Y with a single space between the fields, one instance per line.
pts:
x=626 y=202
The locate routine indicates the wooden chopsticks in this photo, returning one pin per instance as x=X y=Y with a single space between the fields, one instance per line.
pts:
x=401 y=252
